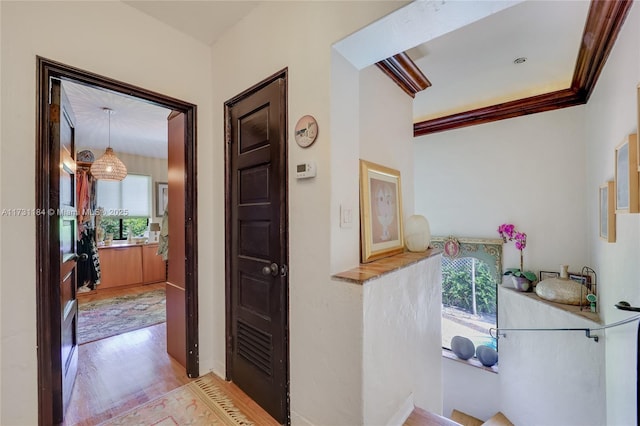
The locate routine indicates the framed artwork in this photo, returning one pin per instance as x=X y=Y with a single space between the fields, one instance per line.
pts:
x=162 y=197
x=451 y=247
x=546 y=274
x=608 y=212
x=582 y=279
x=381 y=232
x=626 y=182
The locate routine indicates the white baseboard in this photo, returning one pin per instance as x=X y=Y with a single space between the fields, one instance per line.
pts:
x=298 y=420
x=403 y=412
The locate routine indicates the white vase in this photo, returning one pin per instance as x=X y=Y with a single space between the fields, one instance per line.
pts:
x=521 y=283
x=564 y=271
x=417 y=233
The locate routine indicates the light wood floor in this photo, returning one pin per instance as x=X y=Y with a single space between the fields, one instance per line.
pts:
x=106 y=293
x=121 y=372
x=420 y=417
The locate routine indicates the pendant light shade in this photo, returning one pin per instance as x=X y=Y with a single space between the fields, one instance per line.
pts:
x=109 y=167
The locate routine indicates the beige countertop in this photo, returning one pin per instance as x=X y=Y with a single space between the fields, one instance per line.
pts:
x=124 y=244
x=370 y=271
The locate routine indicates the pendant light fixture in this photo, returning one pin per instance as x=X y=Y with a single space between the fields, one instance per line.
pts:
x=109 y=167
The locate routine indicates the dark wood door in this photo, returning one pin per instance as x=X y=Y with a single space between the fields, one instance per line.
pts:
x=63 y=228
x=257 y=283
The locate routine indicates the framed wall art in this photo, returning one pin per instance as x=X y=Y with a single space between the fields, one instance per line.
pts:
x=626 y=182
x=547 y=274
x=162 y=197
x=381 y=230
x=582 y=279
x=608 y=212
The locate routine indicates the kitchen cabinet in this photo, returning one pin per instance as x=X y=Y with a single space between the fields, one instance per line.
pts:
x=130 y=264
x=154 y=268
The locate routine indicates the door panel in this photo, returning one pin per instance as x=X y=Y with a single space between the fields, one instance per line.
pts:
x=177 y=263
x=257 y=292
x=64 y=230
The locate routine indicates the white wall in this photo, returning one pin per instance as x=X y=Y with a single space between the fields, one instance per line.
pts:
x=386 y=128
x=402 y=335
x=528 y=171
x=469 y=389
x=1 y=207
x=111 y=39
x=325 y=332
x=345 y=153
x=372 y=120
x=549 y=378
x=611 y=114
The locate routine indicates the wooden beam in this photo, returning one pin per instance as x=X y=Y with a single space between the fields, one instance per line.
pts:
x=602 y=26
x=531 y=105
x=405 y=73
x=601 y=30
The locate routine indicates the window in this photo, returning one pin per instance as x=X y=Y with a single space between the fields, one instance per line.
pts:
x=469 y=304
x=470 y=272
x=120 y=227
x=126 y=204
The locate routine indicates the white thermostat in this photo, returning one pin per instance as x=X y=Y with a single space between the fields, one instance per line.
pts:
x=306 y=170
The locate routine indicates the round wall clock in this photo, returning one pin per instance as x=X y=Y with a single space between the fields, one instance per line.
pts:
x=306 y=131
x=86 y=156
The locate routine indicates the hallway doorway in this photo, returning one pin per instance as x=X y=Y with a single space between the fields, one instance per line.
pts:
x=53 y=345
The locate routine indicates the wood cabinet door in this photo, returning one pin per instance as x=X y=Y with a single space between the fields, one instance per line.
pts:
x=154 y=268
x=120 y=266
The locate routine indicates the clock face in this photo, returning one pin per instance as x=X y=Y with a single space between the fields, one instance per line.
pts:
x=86 y=156
x=306 y=131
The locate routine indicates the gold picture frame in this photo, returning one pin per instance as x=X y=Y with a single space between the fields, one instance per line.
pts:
x=607 y=204
x=381 y=231
x=626 y=179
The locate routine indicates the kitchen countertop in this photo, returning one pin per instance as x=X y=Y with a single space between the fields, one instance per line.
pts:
x=125 y=244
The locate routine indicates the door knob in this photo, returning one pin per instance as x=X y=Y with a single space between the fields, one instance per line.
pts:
x=271 y=270
x=80 y=257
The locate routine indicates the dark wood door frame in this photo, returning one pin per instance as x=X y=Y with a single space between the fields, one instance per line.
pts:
x=229 y=225
x=47 y=291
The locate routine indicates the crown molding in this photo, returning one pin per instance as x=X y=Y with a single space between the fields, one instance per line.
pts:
x=405 y=73
x=604 y=20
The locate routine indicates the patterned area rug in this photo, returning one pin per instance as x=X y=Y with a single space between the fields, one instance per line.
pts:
x=200 y=402
x=108 y=317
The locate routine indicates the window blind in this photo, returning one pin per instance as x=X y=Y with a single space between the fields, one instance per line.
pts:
x=132 y=195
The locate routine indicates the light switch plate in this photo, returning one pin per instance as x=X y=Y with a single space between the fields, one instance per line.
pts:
x=346 y=216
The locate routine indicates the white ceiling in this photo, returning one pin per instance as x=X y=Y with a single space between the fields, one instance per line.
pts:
x=204 y=20
x=473 y=66
x=469 y=67
x=137 y=127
